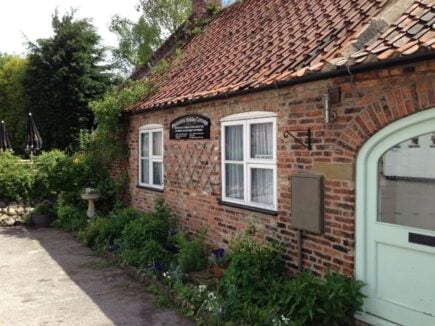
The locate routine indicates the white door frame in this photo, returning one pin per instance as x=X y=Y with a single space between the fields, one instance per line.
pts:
x=405 y=128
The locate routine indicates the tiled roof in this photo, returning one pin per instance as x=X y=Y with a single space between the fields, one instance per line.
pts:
x=258 y=42
x=414 y=31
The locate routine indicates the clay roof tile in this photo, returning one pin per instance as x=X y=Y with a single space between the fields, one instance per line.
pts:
x=258 y=42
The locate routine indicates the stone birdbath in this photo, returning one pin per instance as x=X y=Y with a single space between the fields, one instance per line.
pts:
x=91 y=198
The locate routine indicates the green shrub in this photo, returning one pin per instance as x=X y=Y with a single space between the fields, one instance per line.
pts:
x=53 y=173
x=69 y=218
x=43 y=209
x=104 y=231
x=296 y=298
x=308 y=300
x=147 y=240
x=69 y=177
x=74 y=173
x=139 y=246
x=16 y=178
x=92 y=235
x=120 y=218
x=193 y=254
x=255 y=291
x=47 y=176
x=254 y=266
x=339 y=298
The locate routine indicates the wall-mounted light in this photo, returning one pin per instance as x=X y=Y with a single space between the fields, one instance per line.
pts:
x=330 y=98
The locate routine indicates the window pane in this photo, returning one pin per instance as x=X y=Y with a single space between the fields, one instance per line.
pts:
x=144 y=141
x=234 y=187
x=145 y=171
x=262 y=186
x=262 y=140
x=157 y=143
x=407 y=184
x=234 y=143
x=158 y=173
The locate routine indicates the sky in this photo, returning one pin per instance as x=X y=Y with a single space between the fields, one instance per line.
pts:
x=32 y=18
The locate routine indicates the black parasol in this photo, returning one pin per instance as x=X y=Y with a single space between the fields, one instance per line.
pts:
x=33 y=139
x=5 y=142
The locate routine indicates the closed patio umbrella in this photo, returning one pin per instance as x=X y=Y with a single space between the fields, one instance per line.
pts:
x=33 y=138
x=5 y=142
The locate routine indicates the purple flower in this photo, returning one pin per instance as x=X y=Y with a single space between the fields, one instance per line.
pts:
x=219 y=253
x=158 y=267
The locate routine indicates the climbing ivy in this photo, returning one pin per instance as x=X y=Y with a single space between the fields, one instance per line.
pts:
x=106 y=142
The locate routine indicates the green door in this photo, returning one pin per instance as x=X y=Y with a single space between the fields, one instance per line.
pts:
x=396 y=221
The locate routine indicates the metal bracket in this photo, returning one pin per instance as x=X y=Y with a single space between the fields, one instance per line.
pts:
x=308 y=134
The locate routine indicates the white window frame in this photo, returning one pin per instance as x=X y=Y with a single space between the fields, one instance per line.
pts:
x=246 y=120
x=150 y=129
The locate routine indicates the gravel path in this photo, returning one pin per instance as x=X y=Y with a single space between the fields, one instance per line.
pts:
x=48 y=278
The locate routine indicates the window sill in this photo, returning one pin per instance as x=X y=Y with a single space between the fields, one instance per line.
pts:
x=150 y=188
x=248 y=208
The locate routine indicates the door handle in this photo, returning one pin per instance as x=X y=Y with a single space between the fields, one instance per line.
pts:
x=421 y=239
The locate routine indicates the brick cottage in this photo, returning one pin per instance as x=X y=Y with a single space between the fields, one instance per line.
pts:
x=313 y=121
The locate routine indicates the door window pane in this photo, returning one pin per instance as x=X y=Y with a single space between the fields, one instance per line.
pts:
x=234 y=187
x=157 y=143
x=406 y=181
x=144 y=140
x=262 y=186
x=157 y=173
x=145 y=171
x=234 y=143
x=262 y=141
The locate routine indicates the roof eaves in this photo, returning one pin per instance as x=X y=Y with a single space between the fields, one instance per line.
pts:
x=422 y=54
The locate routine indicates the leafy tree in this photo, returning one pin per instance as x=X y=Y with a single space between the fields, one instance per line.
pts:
x=65 y=73
x=12 y=101
x=138 y=40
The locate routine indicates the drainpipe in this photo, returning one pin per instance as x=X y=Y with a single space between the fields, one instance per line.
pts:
x=300 y=260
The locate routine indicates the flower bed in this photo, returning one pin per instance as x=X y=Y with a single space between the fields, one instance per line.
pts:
x=253 y=289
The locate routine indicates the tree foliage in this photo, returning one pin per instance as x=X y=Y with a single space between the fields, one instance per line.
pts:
x=12 y=98
x=65 y=73
x=138 y=40
x=107 y=139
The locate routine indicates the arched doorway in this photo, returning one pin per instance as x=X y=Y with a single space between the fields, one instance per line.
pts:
x=395 y=222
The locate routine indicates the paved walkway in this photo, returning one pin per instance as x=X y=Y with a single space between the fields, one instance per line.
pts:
x=48 y=278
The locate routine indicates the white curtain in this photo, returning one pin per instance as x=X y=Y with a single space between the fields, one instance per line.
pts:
x=234 y=183
x=234 y=175
x=144 y=160
x=262 y=186
x=262 y=141
x=234 y=143
x=144 y=139
x=145 y=170
x=157 y=143
x=157 y=173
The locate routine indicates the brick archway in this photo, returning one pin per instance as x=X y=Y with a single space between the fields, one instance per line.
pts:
x=398 y=103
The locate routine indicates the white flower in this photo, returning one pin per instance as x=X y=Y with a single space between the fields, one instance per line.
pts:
x=202 y=288
x=285 y=320
x=211 y=296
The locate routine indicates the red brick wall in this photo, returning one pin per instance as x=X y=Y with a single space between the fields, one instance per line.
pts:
x=369 y=102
